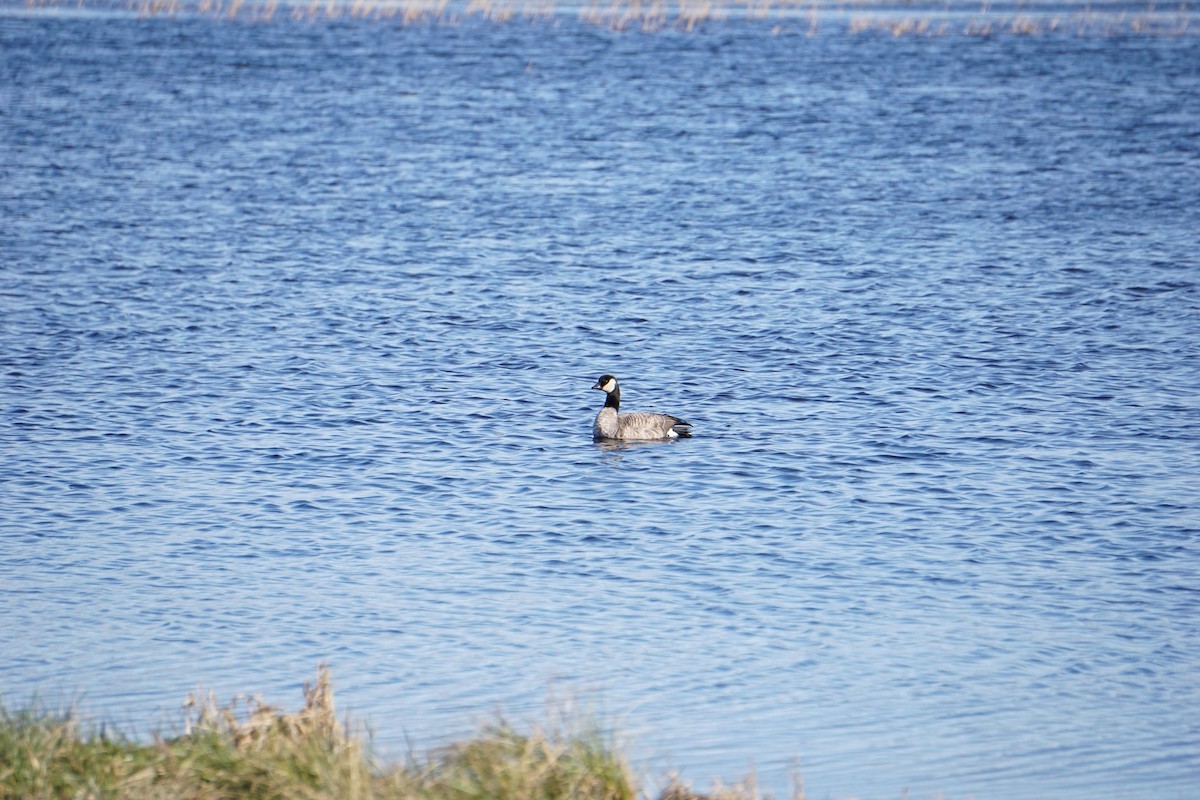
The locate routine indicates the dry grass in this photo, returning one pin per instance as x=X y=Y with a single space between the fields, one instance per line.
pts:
x=245 y=750
x=249 y=750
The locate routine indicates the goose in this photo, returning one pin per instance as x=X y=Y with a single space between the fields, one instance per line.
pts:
x=632 y=425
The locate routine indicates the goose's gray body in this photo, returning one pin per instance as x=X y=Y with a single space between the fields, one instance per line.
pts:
x=632 y=425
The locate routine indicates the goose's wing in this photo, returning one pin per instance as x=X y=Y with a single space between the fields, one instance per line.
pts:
x=645 y=425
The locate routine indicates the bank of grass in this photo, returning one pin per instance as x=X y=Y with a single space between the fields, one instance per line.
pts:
x=253 y=751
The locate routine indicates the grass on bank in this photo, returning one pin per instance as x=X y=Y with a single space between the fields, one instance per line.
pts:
x=253 y=751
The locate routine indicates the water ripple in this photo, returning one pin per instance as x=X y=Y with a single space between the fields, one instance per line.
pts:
x=298 y=326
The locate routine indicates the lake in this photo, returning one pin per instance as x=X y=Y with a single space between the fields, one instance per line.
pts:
x=300 y=316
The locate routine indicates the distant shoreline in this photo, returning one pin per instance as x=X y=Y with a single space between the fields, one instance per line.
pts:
x=807 y=17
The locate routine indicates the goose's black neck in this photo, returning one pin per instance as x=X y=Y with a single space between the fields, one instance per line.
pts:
x=613 y=400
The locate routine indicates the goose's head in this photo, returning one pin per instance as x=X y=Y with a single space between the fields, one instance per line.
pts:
x=606 y=384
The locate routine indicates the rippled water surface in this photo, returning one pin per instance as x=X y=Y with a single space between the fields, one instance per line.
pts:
x=299 y=322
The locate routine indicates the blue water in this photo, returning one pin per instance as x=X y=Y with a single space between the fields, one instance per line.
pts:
x=299 y=321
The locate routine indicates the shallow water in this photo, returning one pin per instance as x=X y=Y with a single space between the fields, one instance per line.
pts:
x=299 y=321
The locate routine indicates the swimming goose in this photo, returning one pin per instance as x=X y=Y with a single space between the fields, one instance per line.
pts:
x=632 y=425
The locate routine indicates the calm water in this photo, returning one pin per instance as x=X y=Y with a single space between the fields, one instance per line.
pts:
x=298 y=325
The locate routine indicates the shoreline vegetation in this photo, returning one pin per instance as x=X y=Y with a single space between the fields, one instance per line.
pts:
x=249 y=750
x=896 y=18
